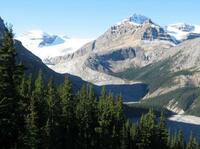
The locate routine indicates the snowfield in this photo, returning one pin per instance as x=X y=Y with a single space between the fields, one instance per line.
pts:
x=181 y=30
x=45 y=45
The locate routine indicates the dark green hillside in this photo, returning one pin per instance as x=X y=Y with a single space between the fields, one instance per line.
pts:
x=158 y=75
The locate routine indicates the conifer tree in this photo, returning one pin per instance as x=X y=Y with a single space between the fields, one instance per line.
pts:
x=134 y=135
x=26 y=96
x=68 y=115
x=40 y=107
x=26 y=86
x=147 y=130
x=162 y=133
x=23 y=86
x=31 y=134
x=29 y=85
x=119 y=120
x=86 y=117
x=180 y=143
x=192 y=144
x=39 y=84
x=10 y=73
x=53 y=125
x=125 y=136
x=106 y=120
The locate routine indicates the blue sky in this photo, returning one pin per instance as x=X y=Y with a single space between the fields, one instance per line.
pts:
x=90 y=18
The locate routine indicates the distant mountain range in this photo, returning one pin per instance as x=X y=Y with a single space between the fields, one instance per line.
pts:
x=133 y=42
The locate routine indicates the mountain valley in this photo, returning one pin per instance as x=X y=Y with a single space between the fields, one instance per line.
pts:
x=136 y=50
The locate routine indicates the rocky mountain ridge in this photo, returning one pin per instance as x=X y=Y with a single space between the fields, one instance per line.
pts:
x=126 y=44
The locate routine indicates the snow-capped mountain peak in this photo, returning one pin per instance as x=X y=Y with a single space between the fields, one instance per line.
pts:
x=139 y=27
x=183 y=27
x=47 y=45
x=183 y=31
x=138 y=19
x=40 y=38
x=135 y=19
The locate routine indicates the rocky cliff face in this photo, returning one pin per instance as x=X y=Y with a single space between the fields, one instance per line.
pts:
x=115 y=60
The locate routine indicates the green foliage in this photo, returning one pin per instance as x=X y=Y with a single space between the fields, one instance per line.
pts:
x=179 y=141
x=110 y=120
x=184 y=97
x=10 y=75
x=54 y=111
x=68 y=121
x=192 y=144
x=86 y=117
x=31 y=130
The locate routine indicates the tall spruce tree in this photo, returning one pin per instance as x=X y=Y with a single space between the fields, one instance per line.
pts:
x=192 y=144
x=68 y=124
x=53 y=125
x=134 y=135
x=39 y=95
x=125 y=136
x=10 y=73
x=86 y=118
x=24 y=86
x=31 y=131
x=106 y=120
x=162 y=133
x=119 y=120
x=180 y=143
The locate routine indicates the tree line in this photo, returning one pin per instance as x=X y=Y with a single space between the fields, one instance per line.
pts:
x=38 y=116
